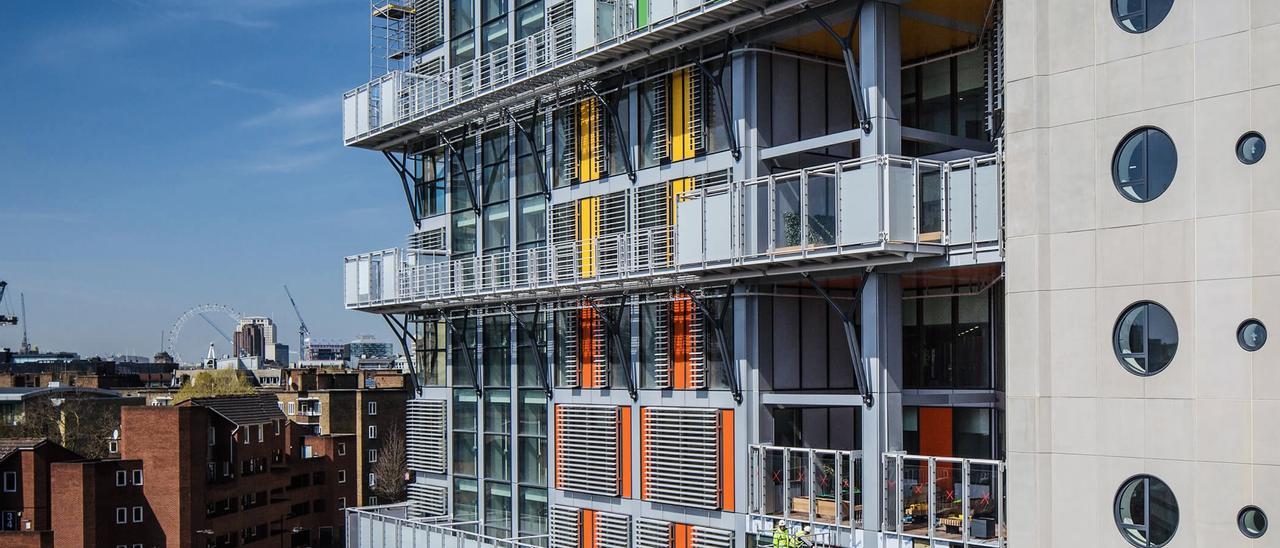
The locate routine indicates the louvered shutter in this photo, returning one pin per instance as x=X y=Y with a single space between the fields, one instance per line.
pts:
x=564 y=239
x=614 y=222
x=427 y=240
x=566 y=120
x=659 y=125
x=651 y=533
x=587 y=449
x=612 y=530
x=426 y=26
x=653 y=225
x=567 y=331
x=565 y=525
x=426 y=449
x=706 y=537
x=428 y=500
x=681 y=456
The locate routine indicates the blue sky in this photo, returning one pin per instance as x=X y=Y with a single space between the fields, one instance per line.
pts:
x=158 y=154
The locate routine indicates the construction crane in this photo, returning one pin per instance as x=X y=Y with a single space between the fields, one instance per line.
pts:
x=10 y=319
x=302 y=324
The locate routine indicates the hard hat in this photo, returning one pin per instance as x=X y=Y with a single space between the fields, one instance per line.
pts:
x=808 y=529
x=780 y=523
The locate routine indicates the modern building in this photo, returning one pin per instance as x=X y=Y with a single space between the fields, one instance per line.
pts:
x=317 y=350
x=256 y=336
x=367 y=346
x=368 y=405
x=908 y=272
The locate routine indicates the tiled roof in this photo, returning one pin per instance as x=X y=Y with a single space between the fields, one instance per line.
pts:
x=9 y=445
x=243 y=410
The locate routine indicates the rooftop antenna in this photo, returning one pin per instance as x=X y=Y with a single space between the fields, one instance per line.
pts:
x=26 y=346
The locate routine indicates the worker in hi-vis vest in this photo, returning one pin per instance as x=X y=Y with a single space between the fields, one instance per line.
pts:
x=781 y=536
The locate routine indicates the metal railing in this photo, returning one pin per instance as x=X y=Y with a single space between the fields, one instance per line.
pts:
x=880 y=208
x=390 y=526
x=400 y=97
x=952 y=500
x=818 y=486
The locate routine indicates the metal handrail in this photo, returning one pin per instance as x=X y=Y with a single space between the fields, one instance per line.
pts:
x=850 y=208
x=448 y=532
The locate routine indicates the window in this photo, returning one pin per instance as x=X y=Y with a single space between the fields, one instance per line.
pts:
x=122 y=515
x=137 y=477
x=277 y=427
x=1250 y=148
x=342 y=476
x=213 y=435
x=1144 y=164
x=1251 y=335
x=431 y=185
x=342 y=502
x=373 y=432
x=113 y=446
x=292 y=408
x=122 y=478
x=373 y=501
x=11 y=482
x=1146 y=338
x=1252 y=521
x=247 y=435
x=1146 y=512
x=137 y=514
x=373 y=480
x=373 y=408
x=1139 y=16
x=373 y=455
x=260 y=434
x=342 y=449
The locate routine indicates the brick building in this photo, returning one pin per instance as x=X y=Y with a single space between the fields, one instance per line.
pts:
x=367 y=404
x=225 y=471
x=24 y=490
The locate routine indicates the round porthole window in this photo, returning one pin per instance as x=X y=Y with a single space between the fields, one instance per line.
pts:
x=1252 y=521
x=1146 y=512
x=1251 y=335
x=1250 y=148
x=1145 y=338
x=1138 y=16
x=1144 y=164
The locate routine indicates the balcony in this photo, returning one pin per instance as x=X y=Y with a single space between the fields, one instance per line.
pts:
x=390 y=526
x=572 y=47
x=863 y=212
x=956 y=501
x=859 y=212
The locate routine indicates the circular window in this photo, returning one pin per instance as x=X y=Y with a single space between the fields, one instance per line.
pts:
x=1251 y=335
x=1144 y=164
x=1252 y=521
x=1146 y=512
x=1138 y=16
x=1251 y=147
x=1146 y=338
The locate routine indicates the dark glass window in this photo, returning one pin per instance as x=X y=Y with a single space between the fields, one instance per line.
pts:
x=1146 y=338
x=529 y=19
x=1138 y=16
x=1252 y=521
x=462 y=338
x=948 y=337
x=1251 y=335
x=430 y=190
x=497 y=350
x=464 y=232
x=1144 y=164
x=494 y=155
x=531 y=142
x=497 y=227
x=1251 y=147
x=1146 y=512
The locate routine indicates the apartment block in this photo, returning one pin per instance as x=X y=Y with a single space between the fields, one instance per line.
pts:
x=25 y=511
x=686 y=273
x=367 y=405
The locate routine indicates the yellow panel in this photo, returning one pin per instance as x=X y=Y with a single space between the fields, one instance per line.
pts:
x=681 y=97
x=588 y=229
x=586 y=140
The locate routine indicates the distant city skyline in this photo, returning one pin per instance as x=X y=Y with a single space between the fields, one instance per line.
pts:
x=179 y=152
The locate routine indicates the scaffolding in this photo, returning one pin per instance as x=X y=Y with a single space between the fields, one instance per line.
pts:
x=389 y=36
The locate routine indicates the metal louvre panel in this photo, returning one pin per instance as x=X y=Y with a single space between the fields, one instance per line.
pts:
x=706 y=537
x=614 y=222
x=681 y=453
x=426 y=27
x=661 y=347
x=599 y=351
x=428 y=500
x=564 y=238
x=696 y=103
x=565 y=524
x=426 y=448
x=612 y=530
x=567 y=118
x=572 y=378
x=430 y=240
x=651 y=533
x=587 y=449
x=652 y=219
x=659 y=121
x=560 y=21
x=697 y=349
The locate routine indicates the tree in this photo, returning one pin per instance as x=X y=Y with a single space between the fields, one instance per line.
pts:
x=222 y=382
x=391 y=469
x=81 y=424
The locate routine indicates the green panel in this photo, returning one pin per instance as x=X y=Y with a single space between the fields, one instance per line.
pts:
x=642 y=13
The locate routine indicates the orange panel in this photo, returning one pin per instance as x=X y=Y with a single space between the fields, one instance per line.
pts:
x=555 y=476
x=935 y=431
x=587 y=534
x=681 y=342
x=624 y=453
x=587 y=347
x=681 y=535
x=726 y=460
